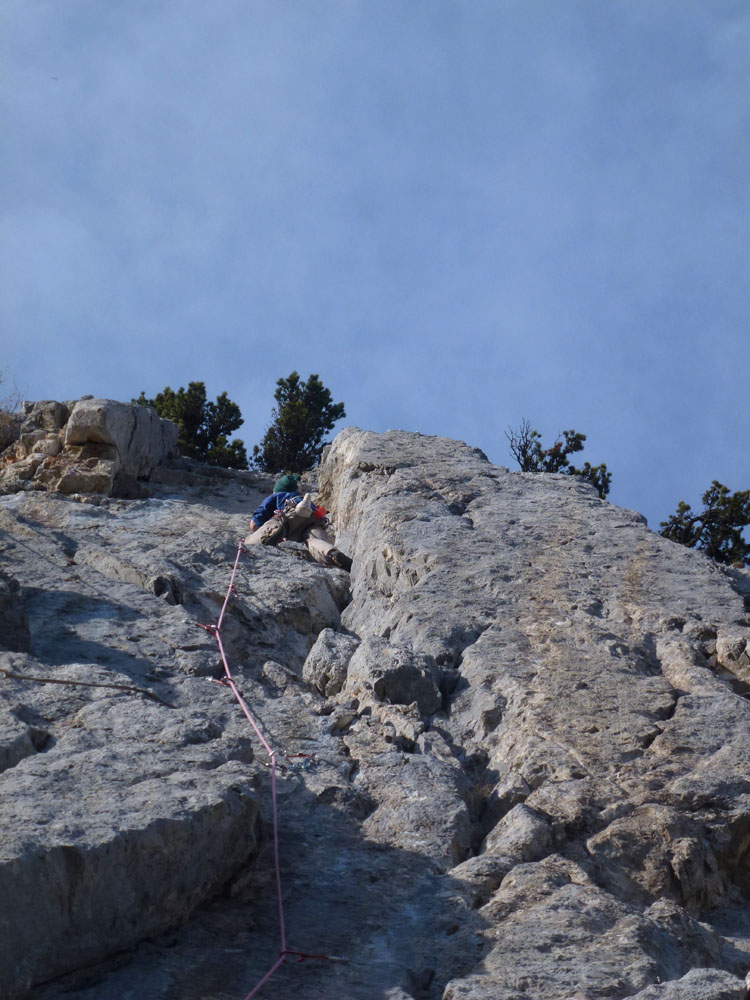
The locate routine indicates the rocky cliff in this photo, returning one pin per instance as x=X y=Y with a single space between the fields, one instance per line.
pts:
x=523 y=724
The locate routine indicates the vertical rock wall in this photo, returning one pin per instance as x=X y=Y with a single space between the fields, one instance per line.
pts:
x=593 y=745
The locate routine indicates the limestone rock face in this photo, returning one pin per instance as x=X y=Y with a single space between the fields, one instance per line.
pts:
x=129 y=781
x=327 y=663
x=595 y=678
x=90 y=446
x=395 y=675
x=140 y=436
x=515 y=741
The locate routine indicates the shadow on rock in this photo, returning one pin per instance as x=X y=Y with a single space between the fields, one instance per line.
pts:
x=392 y=923
x=69 y=627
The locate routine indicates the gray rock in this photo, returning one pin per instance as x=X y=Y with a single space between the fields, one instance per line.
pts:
x=530 y=775
x=482 y=874
x=521 y=834
x=419 y=798
x=90 y=446
x=15 y=739
x=655 y=852
x=327 y=662
x=105 y=878
x=136 y=811
x=394 y=674
x=14 y=632
x=579 y=654
x=46 y=415
x=698 y=984
x=142 y=439
x=684 y=941
x=554 y=932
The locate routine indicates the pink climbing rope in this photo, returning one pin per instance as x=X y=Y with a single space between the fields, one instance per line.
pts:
x=215 y=631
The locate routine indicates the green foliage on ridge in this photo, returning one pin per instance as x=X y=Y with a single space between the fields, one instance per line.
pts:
x=526 y=448
x=717 y=529
x=204 y=426
x=303 y=414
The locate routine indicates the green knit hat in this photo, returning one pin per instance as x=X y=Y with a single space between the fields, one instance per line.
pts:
x=287 y=484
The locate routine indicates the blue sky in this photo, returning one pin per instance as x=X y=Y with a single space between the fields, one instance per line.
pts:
x=459 y=213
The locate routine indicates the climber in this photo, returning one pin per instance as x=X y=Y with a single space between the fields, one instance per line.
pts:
x=287 y=515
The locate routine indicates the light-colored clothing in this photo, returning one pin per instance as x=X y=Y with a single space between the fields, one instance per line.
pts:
x=319 y=538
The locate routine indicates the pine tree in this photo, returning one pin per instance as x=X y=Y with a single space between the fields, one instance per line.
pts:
x=526 y=448
x=717 y=529
x=204 y=426
x=304 y=412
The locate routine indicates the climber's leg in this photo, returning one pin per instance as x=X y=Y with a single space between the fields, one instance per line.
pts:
x=270 y=533
x=321 y=548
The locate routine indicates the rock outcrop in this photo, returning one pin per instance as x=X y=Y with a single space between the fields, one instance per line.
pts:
x=523 y=723
x=89 y=446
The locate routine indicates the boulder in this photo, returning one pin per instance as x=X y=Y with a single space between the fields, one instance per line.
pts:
x=521 y=834
x=698 y=984
x=141 y=438
x=45 y=415
x=327 y=662
x=394 y=674
x=134 y=858
x=90 y=446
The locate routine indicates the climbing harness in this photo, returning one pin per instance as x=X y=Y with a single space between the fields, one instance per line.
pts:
x=228 y=681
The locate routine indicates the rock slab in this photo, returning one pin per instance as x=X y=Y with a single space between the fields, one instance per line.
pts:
x=516 y=742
